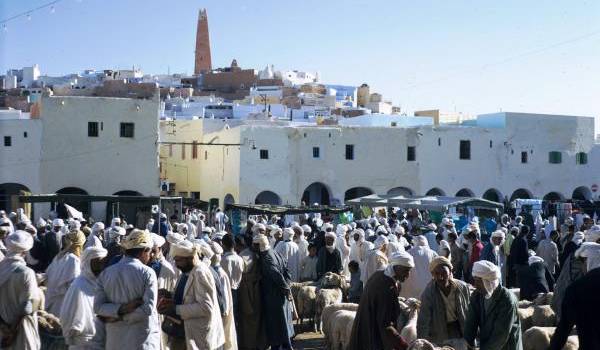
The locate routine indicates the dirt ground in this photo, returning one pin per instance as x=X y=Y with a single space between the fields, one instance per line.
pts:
x=308 y=340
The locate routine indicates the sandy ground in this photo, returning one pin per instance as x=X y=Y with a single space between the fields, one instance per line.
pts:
x=308 y=340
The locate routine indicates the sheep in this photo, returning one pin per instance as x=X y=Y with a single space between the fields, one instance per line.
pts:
x=338 y=337
x=328 y=311
x=307 y=296
x=538 y=338
x=408 y=331
x=422 y=344
x=295 y=289
x=544 y=299
x=335 y=285
x=325 y=297
x=525 y=315
x=523 y=304
x=543 y=316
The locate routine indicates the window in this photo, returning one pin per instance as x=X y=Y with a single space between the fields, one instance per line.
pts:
x=581 y=158
x=491 y=143
x=524 y=157
x=349 y=152
x=555 y=157
x=127 y=129
x=465 y=149
x=196 y=195
x=182 y=152
x=439 y=141
x=7 y=141
x=92 y=129
x=316 y=152
x=194 y=150
x=411 y=154
x=264 y=154
x=170 y=150
x=205 y=155
x=25 y=134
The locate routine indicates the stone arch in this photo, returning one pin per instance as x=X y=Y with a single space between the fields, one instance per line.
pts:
x=582 y=193
x=465 y=192
x=357 y=192
x=9 y=197
x=435 y=192
x=400 y=191
x=316 y=192
x=553 y=196
x=493 y=195
x=267 y=197
x=521 y=193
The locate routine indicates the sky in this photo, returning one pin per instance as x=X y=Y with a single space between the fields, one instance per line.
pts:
x=474 y=56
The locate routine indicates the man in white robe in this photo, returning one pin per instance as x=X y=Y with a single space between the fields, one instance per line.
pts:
x=300 y=239
x=81 y=328
x=126 y=297
x=18 y=293
x=233 y=265
x=63 y=270
x=288 y=250
x=95 y=238
x=194 y=302
x=220 y=220
x=417 y=281
x=360 y=247
x=227 y=316
x=341 y=244
x=376 y=259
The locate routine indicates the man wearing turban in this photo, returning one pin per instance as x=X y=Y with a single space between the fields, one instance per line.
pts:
x=63 y=270
x=18 y=292
x=492 y=311
x=81 y=328
x=126 y=296
x=288 y=249
x=444 y=304
x=375 y=322
x=329 y=258
x=376 y=259
x=276 y=295
x=193 y=306
x=580 y=306
x=418 y=279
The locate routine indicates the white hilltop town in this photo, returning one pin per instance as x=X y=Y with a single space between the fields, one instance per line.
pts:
x=241 y=135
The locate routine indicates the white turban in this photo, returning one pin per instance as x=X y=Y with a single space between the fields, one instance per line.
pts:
x=444 y=245
x=137 y=239
x=381 y=230
x=185 y=249
x=74 y=225
x=58 y=222
x=19 y=242
x=87 y=256
x=204 y=248
x=262 y=241
x=326 y=226
x=420 y=241
x=399 y=230
x=174 y=237
x=380 y=242
x=258 y=227
x=115 y=222
x=593 y=234
x=116 y=231
x=369 y=232
x=499 y=234
x=216 y=248
x=490 y=275
x=41 y=223
x=157 y=240
x=341 y=230
x=578 y=237
x=534 y=259
x=590 y=251
x=330 y=235
x=402 y=259
x=306 y=229
x=288 y=234
x=97 y=226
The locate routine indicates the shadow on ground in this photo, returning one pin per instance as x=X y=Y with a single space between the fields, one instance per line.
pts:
x=306 y=339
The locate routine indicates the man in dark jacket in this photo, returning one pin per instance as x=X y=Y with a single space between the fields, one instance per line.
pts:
x=519 y=252
x=329 y=258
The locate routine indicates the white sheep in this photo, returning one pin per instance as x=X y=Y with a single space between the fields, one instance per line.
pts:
x=328 y=311
x=543 y=316
x=408 y=329
x=538 y=338
x=324 y=298
x=422 y=344
x=525 y=315
x=338 y=339
x=307 y=296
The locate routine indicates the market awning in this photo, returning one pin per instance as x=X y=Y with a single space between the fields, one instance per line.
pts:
x=252 y=209
x=440 y=203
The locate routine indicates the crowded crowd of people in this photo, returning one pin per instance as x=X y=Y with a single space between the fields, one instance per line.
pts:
x=190 y=283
